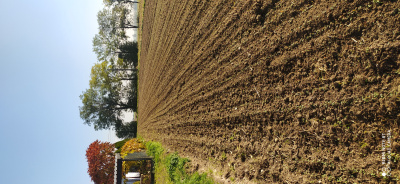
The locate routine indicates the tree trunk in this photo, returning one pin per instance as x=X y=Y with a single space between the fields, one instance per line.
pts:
x=124 y=27
x=128 y=27
x=122 y=108
x=123 y=52
x=118 y=69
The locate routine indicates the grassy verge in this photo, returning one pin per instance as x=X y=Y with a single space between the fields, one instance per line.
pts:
x=171 y=168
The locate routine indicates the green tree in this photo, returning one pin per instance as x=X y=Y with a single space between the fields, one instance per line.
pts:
x=126 y=130
x=112 y=24
x=106 y=98
x=129 y=53
x=108 y=39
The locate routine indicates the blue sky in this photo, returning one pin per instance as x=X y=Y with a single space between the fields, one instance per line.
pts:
x=46 y=56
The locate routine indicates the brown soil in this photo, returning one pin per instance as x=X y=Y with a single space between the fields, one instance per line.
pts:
x=273 y=91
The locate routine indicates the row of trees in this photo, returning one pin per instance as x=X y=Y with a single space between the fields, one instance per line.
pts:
x=113 y=80
x=112 y=86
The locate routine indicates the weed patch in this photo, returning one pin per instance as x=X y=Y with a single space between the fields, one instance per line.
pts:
x=172 y=168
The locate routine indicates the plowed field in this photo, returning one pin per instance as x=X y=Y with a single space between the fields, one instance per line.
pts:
x=273 y=91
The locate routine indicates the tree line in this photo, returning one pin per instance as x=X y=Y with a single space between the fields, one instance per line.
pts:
x=108 y=96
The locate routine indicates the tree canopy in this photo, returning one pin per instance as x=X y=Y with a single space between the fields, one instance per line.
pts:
x=112 y=20
x=106 y=98
x=108 y=39
x=101 y=162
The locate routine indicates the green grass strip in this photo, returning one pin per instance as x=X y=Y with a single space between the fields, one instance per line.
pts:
x=171 y=168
